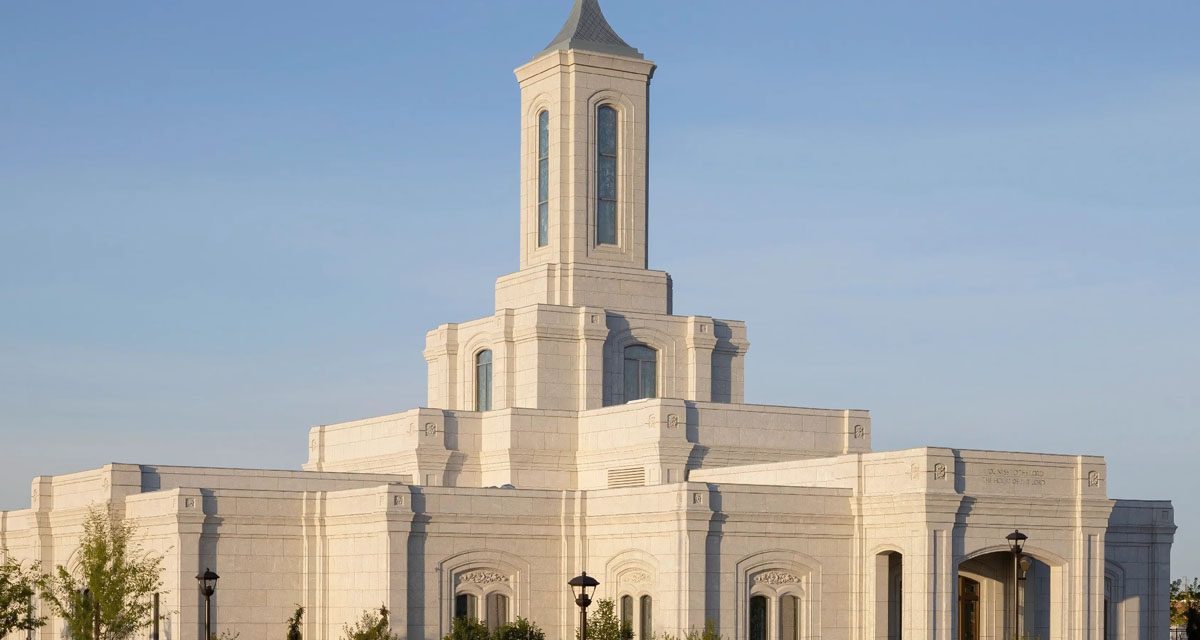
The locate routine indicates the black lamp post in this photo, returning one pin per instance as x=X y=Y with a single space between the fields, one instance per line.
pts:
x=1016 y=542
x=580 y=585
x=208 y=586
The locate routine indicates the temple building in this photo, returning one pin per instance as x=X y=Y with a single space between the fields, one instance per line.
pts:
x=584 y=426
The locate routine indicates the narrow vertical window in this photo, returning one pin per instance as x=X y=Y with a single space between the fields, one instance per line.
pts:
x=465 y=606
x=646 y=620
x=497 y=611
x=789 y=618
x=483 y=381
x=641 y=372
x=758 y=618
x=626 y=612
x=543 y=216
x=606 y=176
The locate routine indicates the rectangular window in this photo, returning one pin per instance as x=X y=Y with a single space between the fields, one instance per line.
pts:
x=543 y=219
x=606 y=176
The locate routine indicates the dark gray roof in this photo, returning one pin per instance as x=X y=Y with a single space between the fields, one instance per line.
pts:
x=587 y=30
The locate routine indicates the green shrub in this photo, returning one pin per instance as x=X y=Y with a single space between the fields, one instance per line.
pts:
x=468 y=629
x=293 y=624
x=373 y=625
x=603 y=624
x=522 y=629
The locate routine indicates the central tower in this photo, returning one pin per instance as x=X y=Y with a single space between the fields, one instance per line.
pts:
x=584 y=130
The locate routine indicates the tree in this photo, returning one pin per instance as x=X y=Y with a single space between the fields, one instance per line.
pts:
x=522 y=629
x=604 y=625
x=1185 y=597
x=468 y=629
x=293 y=624
x=107 y=592
x=18 y=584
x=375 y=624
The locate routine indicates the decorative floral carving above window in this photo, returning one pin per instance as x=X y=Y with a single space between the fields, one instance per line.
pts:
x=776 y=577
x=483 y=577
x=636 y=577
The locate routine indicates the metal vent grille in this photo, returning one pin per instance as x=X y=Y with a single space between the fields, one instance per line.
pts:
x=627 y=477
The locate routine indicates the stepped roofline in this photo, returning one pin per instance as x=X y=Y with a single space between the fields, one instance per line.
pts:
x=586 y=29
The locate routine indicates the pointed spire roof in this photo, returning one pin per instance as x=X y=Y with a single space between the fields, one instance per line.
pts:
x=587 y=30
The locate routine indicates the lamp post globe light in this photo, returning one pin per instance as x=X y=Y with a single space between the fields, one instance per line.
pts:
x=1016 y=543
x=580 y=586
x=208 y=586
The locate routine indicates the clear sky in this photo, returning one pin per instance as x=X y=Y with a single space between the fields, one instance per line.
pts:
x=224 y=222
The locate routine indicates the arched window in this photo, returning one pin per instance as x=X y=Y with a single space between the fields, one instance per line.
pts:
x=543 y=199
x=646 y=619
x=483 y=380
x=497 y=611
x=606 y=175
x=758 y=618
x=641 y=372
x=789 y=618
x=626 y=612
x=466 y=606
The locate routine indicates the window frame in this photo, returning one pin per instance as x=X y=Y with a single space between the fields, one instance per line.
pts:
x=606 y=160
x=542 y=196
x=484 y=401
x=640 y=373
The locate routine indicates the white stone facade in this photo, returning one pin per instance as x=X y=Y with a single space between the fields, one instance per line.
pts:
x=775 y=523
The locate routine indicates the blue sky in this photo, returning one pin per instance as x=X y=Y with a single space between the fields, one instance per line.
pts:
x=226 y=222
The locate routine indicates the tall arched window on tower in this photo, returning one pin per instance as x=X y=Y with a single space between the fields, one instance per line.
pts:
x=641 y=372
x=606 y=175
x=483 y=380
x=543 y=211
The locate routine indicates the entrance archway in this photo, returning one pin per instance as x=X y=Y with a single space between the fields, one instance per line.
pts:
x=889 y=596
x=987 y=600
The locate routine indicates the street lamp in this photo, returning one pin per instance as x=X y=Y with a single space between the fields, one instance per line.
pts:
x=208 y=586
x=1016 y=542
x=579 y=587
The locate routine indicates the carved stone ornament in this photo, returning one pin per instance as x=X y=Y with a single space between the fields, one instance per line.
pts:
x=672 y=421
x=914 y=471
x=939 y=471
x=483 y=577
x=635 y=577
x=859 y=432
x=776 y=578
x=430 y=429
x=1093 y=479
x=651 y=420
x=312 y=444
x=189 y=503
x=697 y=498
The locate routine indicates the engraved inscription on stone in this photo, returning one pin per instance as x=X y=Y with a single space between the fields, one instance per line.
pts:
x=939 y=471
x=1093 y=479
x=859 y=432
x=1014 y=476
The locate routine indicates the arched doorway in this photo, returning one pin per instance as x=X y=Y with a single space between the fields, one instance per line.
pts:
x=998 y=602
x=889 y=596
x=968 y=609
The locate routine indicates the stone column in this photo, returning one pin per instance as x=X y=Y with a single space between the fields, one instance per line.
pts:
x=593 y=331
x=700 y=344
